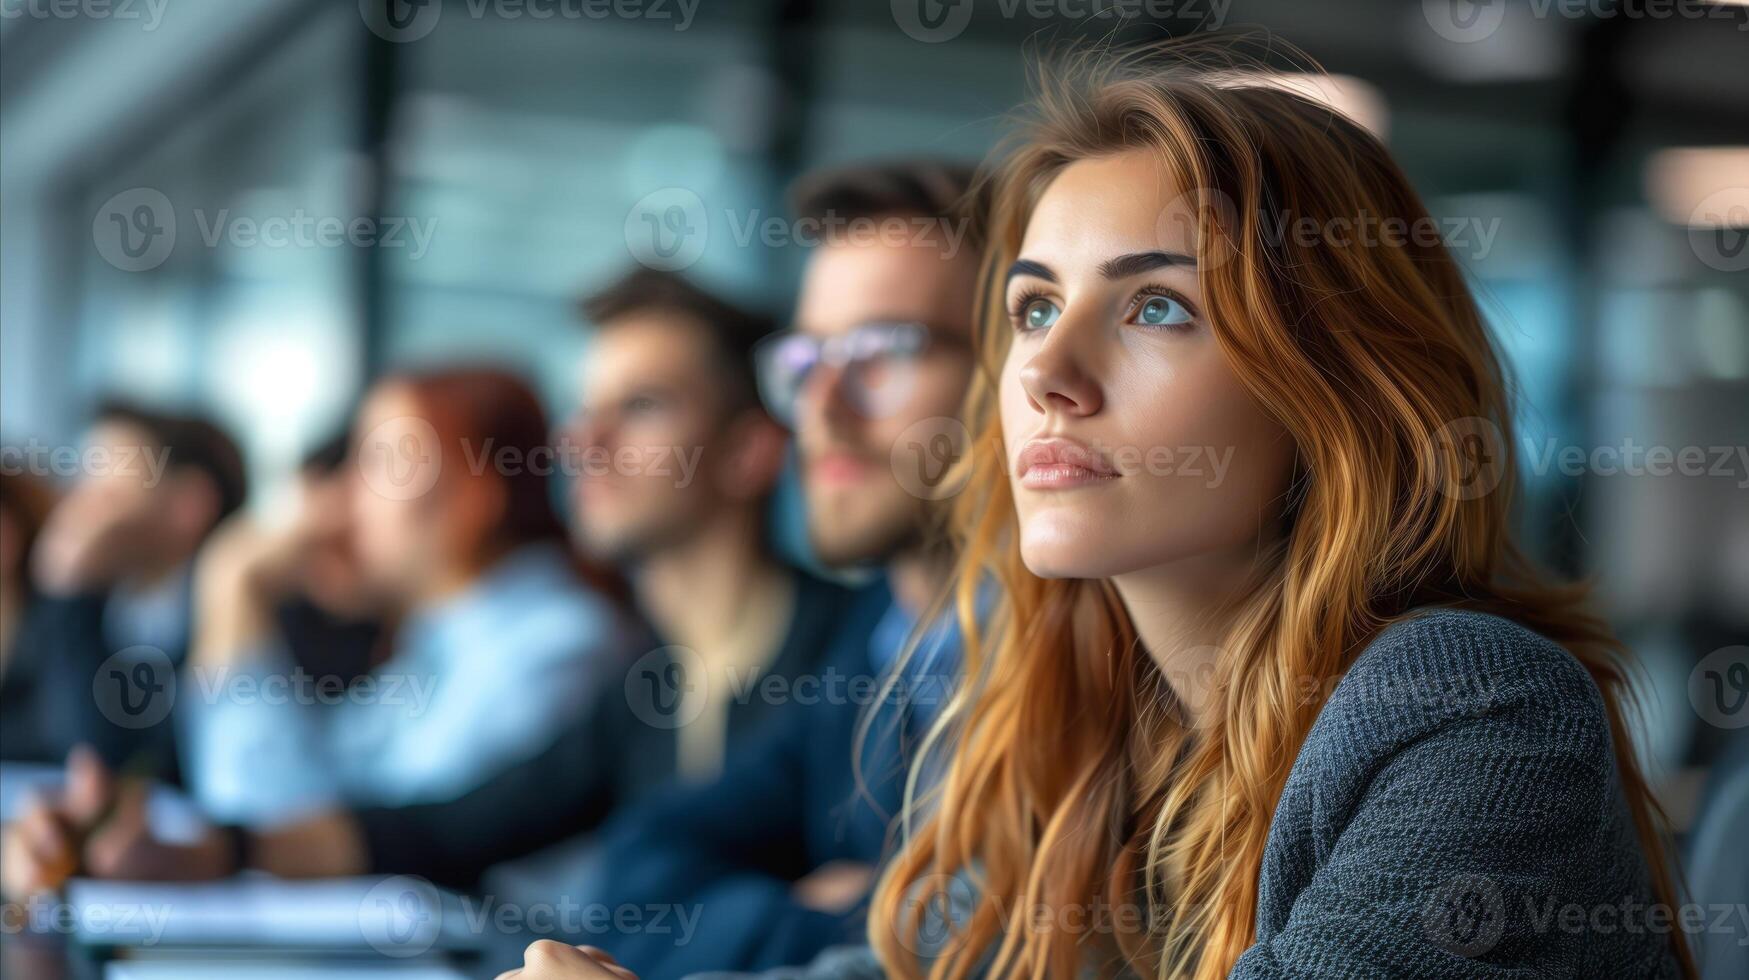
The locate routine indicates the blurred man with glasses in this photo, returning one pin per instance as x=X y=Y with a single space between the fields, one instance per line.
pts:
x=777 y=857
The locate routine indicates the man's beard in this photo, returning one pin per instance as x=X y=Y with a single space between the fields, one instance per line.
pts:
x=865 y=537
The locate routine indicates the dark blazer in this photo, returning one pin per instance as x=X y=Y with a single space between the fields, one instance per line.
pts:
x=730 y=852
x=71 y=683
x=618 y=752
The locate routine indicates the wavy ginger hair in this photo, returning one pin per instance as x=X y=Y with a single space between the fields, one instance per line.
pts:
x=1065 y=778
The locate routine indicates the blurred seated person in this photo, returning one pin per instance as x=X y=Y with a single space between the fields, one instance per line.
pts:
x=331 y=622
x=25 y=503
x=669 y=383
x=96 y=656
x=778 y=856
x=455 y=533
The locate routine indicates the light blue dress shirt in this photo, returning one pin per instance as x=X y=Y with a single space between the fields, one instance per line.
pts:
x=481 y=681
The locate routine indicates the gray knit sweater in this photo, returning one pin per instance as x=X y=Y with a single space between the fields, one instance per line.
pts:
x=1454 y=812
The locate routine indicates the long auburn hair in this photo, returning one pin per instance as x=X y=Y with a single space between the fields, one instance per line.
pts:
x=1061 y=775
x=488 y=410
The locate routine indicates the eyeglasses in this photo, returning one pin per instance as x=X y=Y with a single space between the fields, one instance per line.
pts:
x=876 y=364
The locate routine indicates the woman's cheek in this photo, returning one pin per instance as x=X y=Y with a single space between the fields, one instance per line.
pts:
x=1017 y=414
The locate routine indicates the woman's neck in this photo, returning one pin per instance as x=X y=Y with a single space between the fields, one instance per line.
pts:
x=1182 y=611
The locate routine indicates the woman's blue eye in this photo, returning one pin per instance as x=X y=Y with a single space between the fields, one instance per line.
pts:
x=1039 y=314
x=1161 y=311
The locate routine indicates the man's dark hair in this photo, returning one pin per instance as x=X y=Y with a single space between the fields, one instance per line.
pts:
x=732 y=329
x=190 y=443
x=917 y=188
x=326 y=457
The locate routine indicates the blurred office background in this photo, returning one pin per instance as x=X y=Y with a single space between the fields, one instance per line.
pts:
x=504 y=147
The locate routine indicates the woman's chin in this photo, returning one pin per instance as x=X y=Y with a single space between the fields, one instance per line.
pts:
x=1062 y=559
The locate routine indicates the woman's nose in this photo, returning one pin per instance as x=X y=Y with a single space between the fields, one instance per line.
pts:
x=1057 y=378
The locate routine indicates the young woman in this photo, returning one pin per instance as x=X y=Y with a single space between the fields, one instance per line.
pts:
x=1267 y=689
x=1257 y=684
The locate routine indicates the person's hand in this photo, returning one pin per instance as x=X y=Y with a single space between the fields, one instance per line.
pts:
x=123 y=846
x=549 y=960
x=242 y=571
x=40 y=850
x=249 y=554
x=99 y=828
x=835 y=886
x=37 y=854
x=85 y=541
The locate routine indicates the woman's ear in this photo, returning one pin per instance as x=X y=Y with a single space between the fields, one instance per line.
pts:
x=754 y=448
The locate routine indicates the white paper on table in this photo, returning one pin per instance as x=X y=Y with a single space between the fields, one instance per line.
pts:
x=175 y=969
x=396 y=917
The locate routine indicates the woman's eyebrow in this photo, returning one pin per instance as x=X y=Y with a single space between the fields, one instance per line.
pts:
x=1027 y=267
x=1137 y=263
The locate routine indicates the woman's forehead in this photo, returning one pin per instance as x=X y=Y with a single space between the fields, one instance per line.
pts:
x=1109 y=205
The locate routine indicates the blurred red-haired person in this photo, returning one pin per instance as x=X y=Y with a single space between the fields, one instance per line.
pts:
x=455 y=533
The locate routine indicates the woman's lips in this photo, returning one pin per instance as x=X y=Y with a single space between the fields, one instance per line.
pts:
x=1062 y=476
x=1061 y=464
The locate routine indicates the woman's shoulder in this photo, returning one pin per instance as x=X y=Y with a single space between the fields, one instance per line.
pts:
x=1464 y=660
x=1465 y=762
x=1438 y=666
